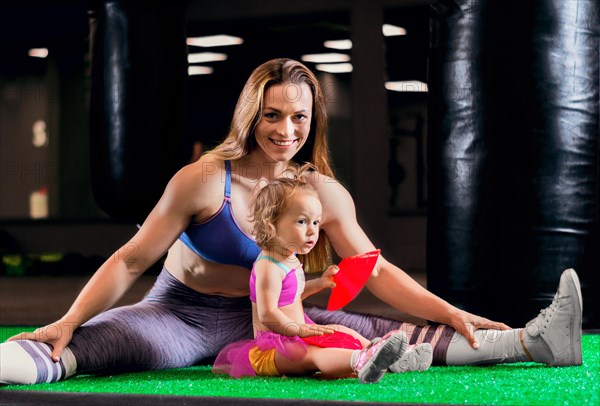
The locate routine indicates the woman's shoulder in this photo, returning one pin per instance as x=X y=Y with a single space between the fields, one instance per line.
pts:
x=206 y=170
x=323 y=183
x=205 y=176
x=335 y=198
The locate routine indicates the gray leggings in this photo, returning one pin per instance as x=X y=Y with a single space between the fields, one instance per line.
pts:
x=175 y=326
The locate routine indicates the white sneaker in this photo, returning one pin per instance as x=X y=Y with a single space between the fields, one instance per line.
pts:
x=554 y=336
x=416 y=358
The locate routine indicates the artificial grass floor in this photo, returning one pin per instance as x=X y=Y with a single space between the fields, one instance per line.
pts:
x=508 y=384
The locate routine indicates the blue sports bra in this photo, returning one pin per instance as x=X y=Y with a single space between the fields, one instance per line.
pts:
x=219 y=238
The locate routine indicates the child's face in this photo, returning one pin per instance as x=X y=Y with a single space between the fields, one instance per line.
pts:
x=298 y=228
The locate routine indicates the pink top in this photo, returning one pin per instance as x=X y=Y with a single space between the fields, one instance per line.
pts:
x=292 y=284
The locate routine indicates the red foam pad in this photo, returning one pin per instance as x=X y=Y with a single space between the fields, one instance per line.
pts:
x=350 y=279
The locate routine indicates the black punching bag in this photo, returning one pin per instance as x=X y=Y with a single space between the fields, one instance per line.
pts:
x=139 y=74
x=513 y=154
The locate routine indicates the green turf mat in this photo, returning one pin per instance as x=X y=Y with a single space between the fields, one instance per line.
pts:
x=509 y=384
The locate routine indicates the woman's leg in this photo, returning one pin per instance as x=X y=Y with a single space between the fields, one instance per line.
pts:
x=141 y=337
x=371 y=326
x=131 y=338
x=173 y=326
x=554 y=337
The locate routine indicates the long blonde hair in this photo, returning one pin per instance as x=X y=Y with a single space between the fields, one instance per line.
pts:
x=240 y=140
x=272 y=201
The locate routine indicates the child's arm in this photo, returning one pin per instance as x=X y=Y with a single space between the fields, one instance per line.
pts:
x=268 y=289
x=318 y=284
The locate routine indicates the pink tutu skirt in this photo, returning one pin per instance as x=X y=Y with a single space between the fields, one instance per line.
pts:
x=234 y=360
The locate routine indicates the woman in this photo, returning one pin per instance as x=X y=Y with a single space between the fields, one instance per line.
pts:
x=200 y=302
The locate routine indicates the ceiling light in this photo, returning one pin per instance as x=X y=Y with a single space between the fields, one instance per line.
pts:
x=200 y=70
x=392 y=30
x=202 y=57
x=334 y=67
x=38 y=52
x=214 y=41
x=325 y=58
x=338 y=44
x=407 y=86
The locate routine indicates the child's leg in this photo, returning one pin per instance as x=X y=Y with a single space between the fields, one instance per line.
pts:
x=369 y=363
x=332 y=362
x=355 y=334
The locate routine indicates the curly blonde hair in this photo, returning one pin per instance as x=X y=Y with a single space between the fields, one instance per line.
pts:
x=272 y=201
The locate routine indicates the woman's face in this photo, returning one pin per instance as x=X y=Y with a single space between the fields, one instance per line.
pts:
x=284 y=123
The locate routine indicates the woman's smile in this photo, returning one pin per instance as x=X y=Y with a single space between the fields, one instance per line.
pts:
x=284 y=143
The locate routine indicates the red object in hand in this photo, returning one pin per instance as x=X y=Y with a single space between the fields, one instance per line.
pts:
x=350 y=279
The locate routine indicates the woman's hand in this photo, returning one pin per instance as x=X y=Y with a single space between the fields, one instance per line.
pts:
x=466 y=324
x=57 y=334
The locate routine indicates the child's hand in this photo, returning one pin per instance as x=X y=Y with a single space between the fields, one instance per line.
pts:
x=327 y=277
x=307 y=330
x=316 y=285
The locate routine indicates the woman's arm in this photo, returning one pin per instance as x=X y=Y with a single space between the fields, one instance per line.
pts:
x=162 y=227
x=108 y=284
x=388 y=282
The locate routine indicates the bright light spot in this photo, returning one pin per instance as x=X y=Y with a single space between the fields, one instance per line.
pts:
x=38 y=203
x=200 y=70
x=38 y=52
x=202 y=57
x=338 y=44
x=392 y=30
x=325 y=58
x=214 y=41
x=407 y=86
x=334 y=67
x=40 y=136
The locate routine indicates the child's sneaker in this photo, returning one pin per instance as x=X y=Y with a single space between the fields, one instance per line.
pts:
x=372 y=362
x=415 y=358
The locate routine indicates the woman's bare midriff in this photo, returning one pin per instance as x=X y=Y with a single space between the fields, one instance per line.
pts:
x=205 y=276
